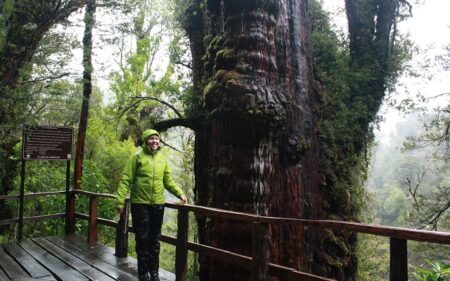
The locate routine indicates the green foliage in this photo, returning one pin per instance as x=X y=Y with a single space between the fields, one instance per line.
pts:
x=395 y=205
x=344 y=166
x=6 y=8
x=373 y=253
x=41 y=176
x=438 y=272
x=147 y=77
x=105 y=154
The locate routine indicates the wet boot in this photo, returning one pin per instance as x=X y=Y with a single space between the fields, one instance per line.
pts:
x=145 y=277
x=143 y=262
x=154 y=275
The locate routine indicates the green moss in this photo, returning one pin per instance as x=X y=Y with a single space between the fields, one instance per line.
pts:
x=225 y=75
x=207 y=39
x=216 y=42
x=229 y=53
x=336 y=251
x=208 y=87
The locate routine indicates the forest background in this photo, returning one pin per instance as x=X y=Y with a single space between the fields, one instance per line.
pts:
x=141 y=75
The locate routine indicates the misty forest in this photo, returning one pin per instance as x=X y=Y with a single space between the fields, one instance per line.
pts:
x=276 y=108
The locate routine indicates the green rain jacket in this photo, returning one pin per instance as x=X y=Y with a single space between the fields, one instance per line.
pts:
x=146 y=174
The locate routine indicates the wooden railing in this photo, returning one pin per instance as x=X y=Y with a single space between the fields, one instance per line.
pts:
x=20 y=220
x=259 y=263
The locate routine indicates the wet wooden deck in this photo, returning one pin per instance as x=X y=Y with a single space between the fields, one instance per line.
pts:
x=66 y=258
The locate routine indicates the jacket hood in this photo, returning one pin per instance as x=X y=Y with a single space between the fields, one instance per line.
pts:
x=145 y=136
x=148 y=133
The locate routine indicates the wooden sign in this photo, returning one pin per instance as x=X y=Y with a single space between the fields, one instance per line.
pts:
x=47 y=143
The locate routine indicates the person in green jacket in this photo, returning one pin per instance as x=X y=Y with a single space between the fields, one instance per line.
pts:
x=145 y=177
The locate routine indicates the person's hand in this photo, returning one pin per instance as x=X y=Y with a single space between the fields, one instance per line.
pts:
x=119 y=210
x=184 y=199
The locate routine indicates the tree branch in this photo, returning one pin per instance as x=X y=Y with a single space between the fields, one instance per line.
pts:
x=45 y=78
x=178 y=113
x=180 y=62
x=434 y=218
x=164 y=125
x=168 y=145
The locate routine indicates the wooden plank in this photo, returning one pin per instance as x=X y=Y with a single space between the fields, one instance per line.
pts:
x=8 y=221
x=39 y=194
x=122 y=231
x=107 y=254
x=246 y=262
x=43 y=217
x=181 y=249
x=90 y=193
x=92 y=229
x=260 y=252
x=103 y=252
x=3 y=275
x=59 y=269
x=101 y=265
x=78 y=264
x=9 y=197
x=11 y=268
x=398 y=260
x=34 y=269
x=387 y=231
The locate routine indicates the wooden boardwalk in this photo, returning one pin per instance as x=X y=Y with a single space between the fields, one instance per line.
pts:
x=69 y=258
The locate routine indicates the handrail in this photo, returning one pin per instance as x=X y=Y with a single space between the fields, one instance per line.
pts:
x=32 y=219
x=31 y=195
x=387 y=231
x=398 y=236
x=90 y=193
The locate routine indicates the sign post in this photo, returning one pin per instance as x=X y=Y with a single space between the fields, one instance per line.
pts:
x=45 y=143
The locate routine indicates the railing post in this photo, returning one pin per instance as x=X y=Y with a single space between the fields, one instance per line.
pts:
x=122 y=232
x=260 y=252
x=70 y=204
x=93 y=231
x=181 y=250
x=21 y=199
x=399 y=260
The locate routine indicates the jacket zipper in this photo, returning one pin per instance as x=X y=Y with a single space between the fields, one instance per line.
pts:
x=153 y=180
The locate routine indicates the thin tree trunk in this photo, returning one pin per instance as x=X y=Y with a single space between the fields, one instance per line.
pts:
x=23 y=29
x=89 y=20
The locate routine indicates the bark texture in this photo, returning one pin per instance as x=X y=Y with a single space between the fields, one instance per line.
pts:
x=256 y=150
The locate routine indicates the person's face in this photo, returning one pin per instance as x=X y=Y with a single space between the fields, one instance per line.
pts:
x=153 y=142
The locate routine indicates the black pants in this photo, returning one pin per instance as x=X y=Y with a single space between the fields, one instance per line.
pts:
x=147 y=222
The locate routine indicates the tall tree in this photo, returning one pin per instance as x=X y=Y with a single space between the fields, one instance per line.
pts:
x=89 y=21
x=257 y=147
x=23 y=24
x=259 y=115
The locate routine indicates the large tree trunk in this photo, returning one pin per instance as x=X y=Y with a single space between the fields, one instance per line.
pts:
x=257 y=149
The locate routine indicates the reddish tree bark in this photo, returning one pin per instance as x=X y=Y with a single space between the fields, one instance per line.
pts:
x=256 y=151
x=257 y=145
